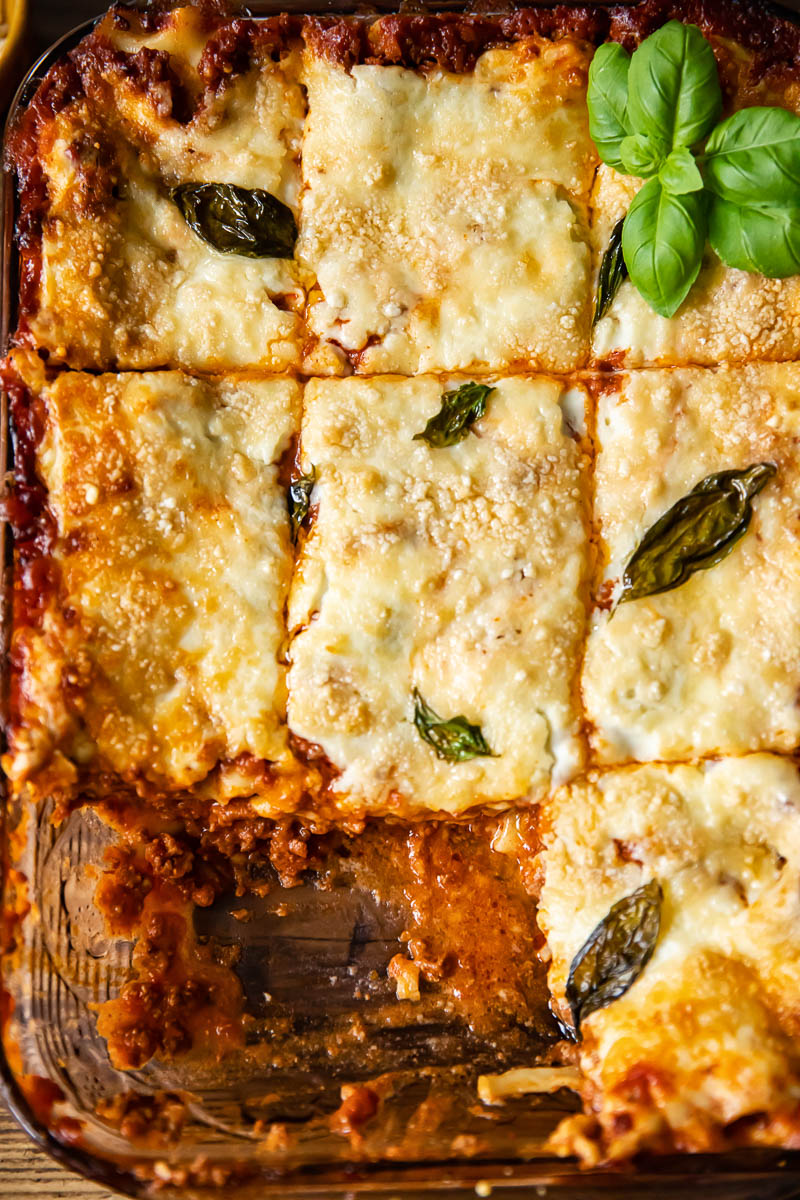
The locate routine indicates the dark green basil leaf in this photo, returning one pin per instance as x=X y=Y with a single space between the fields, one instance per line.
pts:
x=607 y=97
x=754 y=158
x=460 y=409
x=642 y=155
x=613 y=273
x=455 y=740
x=237 y=220
x=663 y=239
x=679 y=173
x=758 y=238
x=696 y=533
x=673 y=86
x=615 y=953
x=299 y=499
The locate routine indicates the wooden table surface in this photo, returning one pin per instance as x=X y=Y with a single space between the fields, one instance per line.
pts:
x=26 y=1172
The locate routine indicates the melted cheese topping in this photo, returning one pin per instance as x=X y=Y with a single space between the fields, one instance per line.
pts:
x=710 y=666
x=450 y=242
x=708 y=1033
x=728 y=316
x=158 y=658
x=457 y=571
x=126 y=282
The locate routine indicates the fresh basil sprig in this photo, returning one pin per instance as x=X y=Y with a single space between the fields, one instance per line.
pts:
x=696 y=533
x=460 y=410
x=615 y=953
x=649 y=114
x=455 y=740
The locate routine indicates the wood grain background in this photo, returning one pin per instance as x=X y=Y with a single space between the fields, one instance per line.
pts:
x=25 y=1171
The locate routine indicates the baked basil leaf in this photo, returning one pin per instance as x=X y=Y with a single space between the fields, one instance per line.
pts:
x=607 y=98
x=679 y=174
x=762 y=238
x=615 y=953
x=454 y=740
x=237 y=220
x=696 y=533
x=460 y=409
x=673 y=86
x=754 y=157
x=642 y=155
x=612 y=275
x=299 y=499
x=662 y=240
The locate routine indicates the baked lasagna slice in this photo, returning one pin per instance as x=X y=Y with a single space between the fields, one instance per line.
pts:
x=444 y=211
x=125 y=260
x=438 y=606
x=685 y=882
x=152 y=564
x=729 y=315
x=693 y=645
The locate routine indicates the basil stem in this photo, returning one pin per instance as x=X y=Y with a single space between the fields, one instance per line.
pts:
x=299 y=499
x=613 y=273
x=455 y=740
x=460 y=409
x=237 y=220
x=696 y=533
x=615 y=953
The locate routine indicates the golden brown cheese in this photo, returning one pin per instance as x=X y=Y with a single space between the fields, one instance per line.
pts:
x=702 y=1051
x=458 y=571
x=121 y=280
x=444 y=215
x=712 y=665
x=157 y=656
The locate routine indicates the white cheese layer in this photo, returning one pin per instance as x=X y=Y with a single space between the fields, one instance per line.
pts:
x=708 y=1032
x=174 y=558
x=458 y=571
x=711 y=666
x=444 y=215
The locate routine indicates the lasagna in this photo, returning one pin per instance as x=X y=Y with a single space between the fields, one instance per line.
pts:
x=454 y=573
x=350 y=548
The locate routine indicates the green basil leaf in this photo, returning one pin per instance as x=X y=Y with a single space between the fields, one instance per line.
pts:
x=607 y=97
x=663 y=239
x=460 y=409
x=696 y=533
x=762 y=238
x=237 y=220
x=642 y=155
x=613 y=273
x=615 y=953
x=299 y=499
x=679 y=173
x=455 y=740
x=673 y=86
x=754 y=157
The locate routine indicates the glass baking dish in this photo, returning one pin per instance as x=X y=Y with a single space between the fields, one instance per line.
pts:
x=253 y=1124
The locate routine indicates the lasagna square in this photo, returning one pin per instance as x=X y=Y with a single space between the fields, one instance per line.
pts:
x=699 y=868
x=729 y=315
x=444 y=214
x=440 y=594
x=114 y=275
x=709 y=665
x=153 y=559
